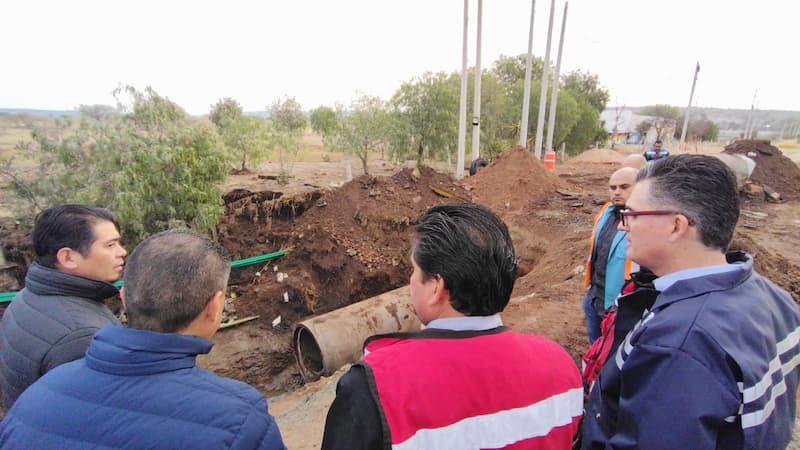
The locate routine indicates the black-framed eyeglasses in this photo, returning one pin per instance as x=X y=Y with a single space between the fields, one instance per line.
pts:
x=625 y=213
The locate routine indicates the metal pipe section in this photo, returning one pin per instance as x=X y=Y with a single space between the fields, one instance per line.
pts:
x=324 y=343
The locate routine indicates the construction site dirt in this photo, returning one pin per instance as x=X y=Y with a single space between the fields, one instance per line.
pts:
x=350 y=242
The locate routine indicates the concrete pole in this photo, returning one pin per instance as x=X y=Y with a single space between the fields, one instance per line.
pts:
x=545 y=78
x=749 y=121
x=526 y=99
x=476 y=106
x=551 y=123
x=462 y=110
x=689 y=108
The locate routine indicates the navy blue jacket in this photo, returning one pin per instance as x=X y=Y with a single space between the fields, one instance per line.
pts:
x=713 y=364
x=139 y=389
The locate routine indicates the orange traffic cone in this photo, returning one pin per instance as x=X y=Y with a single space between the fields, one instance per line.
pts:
x=550 y=160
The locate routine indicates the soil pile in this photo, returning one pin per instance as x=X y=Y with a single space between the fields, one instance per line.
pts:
x=771 y=265
x=773 y=169
x=344 y=245
x=514 y=179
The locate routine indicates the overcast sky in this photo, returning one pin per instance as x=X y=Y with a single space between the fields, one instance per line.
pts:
x=61 y=54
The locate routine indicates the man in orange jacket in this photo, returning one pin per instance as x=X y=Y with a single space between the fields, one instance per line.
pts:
x=607 y=266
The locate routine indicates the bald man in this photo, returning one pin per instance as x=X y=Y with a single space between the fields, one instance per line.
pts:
x=635 y=161
x=607 y=267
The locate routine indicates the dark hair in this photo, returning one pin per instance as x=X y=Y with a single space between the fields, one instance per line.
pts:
x=470 y=248
x=658 y=141
x=170 y=277
x=67 y=226
x=702 y=188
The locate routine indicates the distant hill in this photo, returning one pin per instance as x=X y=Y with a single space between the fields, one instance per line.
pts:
x=731 y=122
x=39 y=112
x=734 y=119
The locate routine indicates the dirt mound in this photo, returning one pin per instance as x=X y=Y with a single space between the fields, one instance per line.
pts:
x=344 y=245
x=599 y=156
x=771 y=265
x=512 y=180
x=16 y=245
x=773 y=169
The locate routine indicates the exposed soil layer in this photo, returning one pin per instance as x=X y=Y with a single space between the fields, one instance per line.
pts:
x=344 y=245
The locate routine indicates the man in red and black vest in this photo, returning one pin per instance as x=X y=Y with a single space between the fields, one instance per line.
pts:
x=465 y=381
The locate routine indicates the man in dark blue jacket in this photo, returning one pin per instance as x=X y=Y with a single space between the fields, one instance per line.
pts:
x=713 y=362
x=138 y=387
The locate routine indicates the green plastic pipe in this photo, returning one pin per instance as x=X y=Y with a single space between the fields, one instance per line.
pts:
x=6 y=297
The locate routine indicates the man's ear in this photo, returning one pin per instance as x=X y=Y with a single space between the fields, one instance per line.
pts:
x=441 y=295
x=680 y=227
x=214 y=307
x=66 y=258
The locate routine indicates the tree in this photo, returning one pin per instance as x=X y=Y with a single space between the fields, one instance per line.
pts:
x=288 y=122
x=152 y=165
x=700 y=127
x=510 y=70
x=225 y=108
x=287 y=115
x=499 y=124
x=586 y=128
x=429 y=107
x=644 y=126
x=664 y=116
x=245 y=137
x=588 y=85
x=323 y=120
x=363 y=129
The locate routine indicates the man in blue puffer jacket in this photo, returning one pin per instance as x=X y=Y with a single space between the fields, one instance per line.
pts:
x=138 y=387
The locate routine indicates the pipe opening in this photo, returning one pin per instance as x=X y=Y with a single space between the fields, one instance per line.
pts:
x=308 y=353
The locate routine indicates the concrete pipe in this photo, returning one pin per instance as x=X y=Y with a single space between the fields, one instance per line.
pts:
x=741 y=165
x=324 y=343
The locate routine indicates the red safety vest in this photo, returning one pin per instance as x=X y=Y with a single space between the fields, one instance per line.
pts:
x=494 y=389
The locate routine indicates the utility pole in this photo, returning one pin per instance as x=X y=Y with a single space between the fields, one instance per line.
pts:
x=476 y=106
x=526 y=99
x=551 y=122
x=749 y=120
x=689 y=108
x=545 y=79
x=462 y=110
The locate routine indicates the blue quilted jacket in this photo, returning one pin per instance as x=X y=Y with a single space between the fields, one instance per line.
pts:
x=139 y=389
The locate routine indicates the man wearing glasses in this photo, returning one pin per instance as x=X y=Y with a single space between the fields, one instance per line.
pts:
x=713 y=363
x=607 y=267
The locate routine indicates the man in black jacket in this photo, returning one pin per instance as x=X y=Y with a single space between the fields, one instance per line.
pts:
x=52 y=320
